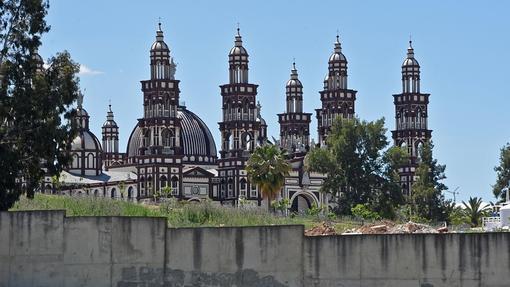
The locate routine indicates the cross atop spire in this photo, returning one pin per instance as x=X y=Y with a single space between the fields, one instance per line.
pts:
x=80 y=99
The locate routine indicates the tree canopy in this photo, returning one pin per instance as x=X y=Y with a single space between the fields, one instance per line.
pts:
x=427 y=197
x=359 y=169
x=267 y=168
x=35 y=102
x=503 y=174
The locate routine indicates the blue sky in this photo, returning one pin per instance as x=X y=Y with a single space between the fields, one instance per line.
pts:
x=461 y=46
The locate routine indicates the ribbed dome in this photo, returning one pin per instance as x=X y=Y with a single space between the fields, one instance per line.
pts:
x=159 y=45
x=86 y=140
x=238 y=51
x=410 y=60
x=81 y=112
x=337 y=55
x=110 y=122
x=196 y=138
x=294 y=83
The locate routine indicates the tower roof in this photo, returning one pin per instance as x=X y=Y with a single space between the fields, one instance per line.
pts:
x=238 y=49
x=410 y=60
x=110 y=122
x=337 y=55
x=159 y=44
x=294 y=81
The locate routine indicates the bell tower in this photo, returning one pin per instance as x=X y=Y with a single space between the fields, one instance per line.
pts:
x=337 y=100
x=160 y=153
x=294 y=124
x=411 y=118
x=241 y=127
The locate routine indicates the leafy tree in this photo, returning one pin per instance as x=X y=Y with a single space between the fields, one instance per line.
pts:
x=267 y=168
x=362 y=211
x=122 y=189
x=475 y=210
x=282 y=205
x=503 y=174
x=357 y=168
x=166 y=191
x=427 y=197
x=35 y=103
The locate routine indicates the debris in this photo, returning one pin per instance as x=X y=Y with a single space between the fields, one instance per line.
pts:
x=322 y=229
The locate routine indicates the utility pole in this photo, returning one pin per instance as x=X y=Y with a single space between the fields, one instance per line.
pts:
x=454 y=192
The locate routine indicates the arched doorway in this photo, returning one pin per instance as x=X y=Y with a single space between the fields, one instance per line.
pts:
x=301 y=201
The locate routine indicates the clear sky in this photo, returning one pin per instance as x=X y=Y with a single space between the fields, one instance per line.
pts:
x=462 y=47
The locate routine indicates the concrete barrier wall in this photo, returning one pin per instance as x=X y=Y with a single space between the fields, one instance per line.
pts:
x=45 y=248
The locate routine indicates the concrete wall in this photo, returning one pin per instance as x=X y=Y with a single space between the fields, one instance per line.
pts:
x=45 y=248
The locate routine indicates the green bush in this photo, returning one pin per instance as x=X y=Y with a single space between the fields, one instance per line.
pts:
x=362 y=211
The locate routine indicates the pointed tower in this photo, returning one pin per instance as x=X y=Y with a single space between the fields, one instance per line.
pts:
x=86 y=152
x=159 y=154
x=240 y=126
x=337 y=100
x=294 y=124
x=110 y=131
x=411 y=116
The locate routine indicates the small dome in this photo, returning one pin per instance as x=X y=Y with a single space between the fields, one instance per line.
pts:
x=294 y=83
x=410 y=60
x=110 y=122
x=238 y=51
x=294 y=80
x=159 y=45
x=86 y=140
x=337 y=55
x=81 y=112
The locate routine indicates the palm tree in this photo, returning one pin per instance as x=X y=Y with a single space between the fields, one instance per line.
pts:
x=474 y=210
x=267 y=169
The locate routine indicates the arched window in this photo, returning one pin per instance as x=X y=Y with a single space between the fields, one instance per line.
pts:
x=242 y=184
x=90 y=161
x=96 y=192
x=147 y=138
x=175 y=185
x=246 y=141
x=168 y=138
x=113 y=193
x=130 y=192
x=163 y=181
x=76 y=161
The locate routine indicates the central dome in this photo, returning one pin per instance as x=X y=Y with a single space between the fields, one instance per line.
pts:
x=196 y=139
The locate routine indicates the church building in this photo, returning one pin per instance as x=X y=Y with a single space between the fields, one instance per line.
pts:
x=171 y=148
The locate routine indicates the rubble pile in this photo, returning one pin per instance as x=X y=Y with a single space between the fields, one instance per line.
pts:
x=389 y=227
x=322 y=229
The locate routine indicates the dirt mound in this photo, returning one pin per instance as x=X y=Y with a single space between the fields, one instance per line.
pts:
x=390 y=227
x=322 y=229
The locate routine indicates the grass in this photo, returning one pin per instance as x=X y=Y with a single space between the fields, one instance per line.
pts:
x=178 y=214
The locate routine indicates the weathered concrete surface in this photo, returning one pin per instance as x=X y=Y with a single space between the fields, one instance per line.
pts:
x=45 y=248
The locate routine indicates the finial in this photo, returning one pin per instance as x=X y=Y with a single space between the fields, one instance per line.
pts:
x=294 y=63
x=159 y=23
x=80 y=99
x=410 y=41
x=337 y=36
x=238 y=33
x=110 y=104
